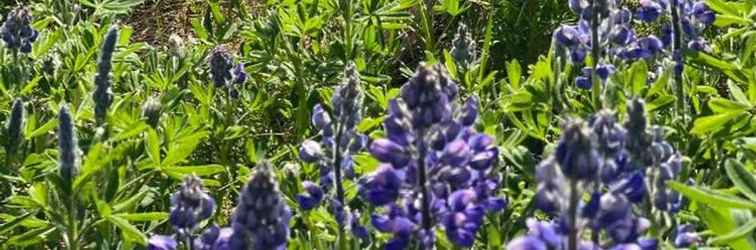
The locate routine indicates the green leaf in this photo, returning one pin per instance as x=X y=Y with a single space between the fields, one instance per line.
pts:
x=711 y=123
x=723 y=221
x=130 y=202
x=639 y=76
x=738 y=233
x=660 y=102
x=514 y=73
x=51 y=124
x=738 y=94
x=721 y=105
x=199 y=29
x=203 y=170
x=724 y=20
x=184 y=147
x=31 y=237
x=130 y=232
x=103 y=208
x=659 y=84
x=153 y=146
x=133 y=130
x=141 y=217
x=743 y=180
x=91 y=165
x=721 y=6
x=369 y=123
x=711 y=197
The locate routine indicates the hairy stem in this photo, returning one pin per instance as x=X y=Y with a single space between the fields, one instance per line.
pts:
x=337 y=155
x=422 y=181
x=676 y=51
x=572 y=213
x=595 y=55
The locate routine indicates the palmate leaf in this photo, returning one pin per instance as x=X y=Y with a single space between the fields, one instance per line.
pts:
x=130 y=232
x=714 y=123
x=111 y=7
x=183 y=148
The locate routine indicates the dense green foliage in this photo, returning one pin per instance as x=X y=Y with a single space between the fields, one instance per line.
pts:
x=93 y=151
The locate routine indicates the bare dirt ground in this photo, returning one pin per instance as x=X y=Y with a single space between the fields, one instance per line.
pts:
x=155 y=20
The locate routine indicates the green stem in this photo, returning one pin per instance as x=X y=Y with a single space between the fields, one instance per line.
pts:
x=572 y=213
x=426 y=20
x=598 y=99
x=73 y=243
x=676 y=51
x=422 y=181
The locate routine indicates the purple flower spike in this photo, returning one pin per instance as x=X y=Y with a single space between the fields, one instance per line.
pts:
x=190 y=205
x=261 y=218
x=436 y=170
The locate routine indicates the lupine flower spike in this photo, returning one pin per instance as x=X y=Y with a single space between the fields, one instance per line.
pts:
x=103 y=95
x=463 y=50
x=333 y=154
x=152 y=110
x=224 y=73
x=14 y=127
x=68 y=150
x=261 y=217
x=221 y=64
x=190 y=205
x=436 y=171
x=608 y=163
x=17 y=32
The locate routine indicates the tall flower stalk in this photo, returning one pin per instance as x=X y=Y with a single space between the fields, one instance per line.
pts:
x=14 y=132
x=68 y=149
x=18 y=35
x=228 y=77
x=621 y=169
x=103 y=95
x=436 y=170
x=17 y=32
x=190 y=206
x=333 y=155
x=261 y=218
x=68 y=166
